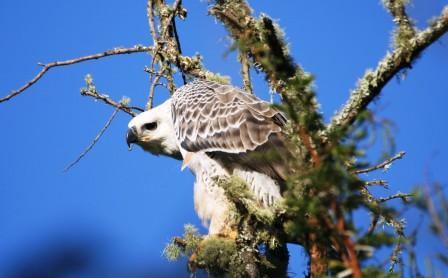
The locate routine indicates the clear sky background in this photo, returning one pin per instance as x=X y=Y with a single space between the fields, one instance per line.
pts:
x=113 y=213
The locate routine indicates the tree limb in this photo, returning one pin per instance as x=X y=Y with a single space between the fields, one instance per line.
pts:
x=47 y=67
x=373 y=82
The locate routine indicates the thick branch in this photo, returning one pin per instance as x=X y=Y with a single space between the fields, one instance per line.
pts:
x=372 y=83
x=47 y=67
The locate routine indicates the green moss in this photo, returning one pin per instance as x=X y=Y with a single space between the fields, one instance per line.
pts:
x=217 y=255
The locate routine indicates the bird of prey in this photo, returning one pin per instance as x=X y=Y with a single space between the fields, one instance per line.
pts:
x=218 y=130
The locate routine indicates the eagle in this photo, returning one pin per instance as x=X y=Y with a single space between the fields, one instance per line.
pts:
x=218 y=131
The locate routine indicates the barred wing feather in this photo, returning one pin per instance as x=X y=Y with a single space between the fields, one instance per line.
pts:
x=212 y=117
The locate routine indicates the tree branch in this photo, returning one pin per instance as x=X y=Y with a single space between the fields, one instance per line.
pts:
x=95 y=140
x=373 y=82
x=152 y=90
x=382 y=165
x=151 y=21
x=382 y=183
x=405 y=27
x=47 y=67
x=402 y=196
x=122 y=105
x=245 y=72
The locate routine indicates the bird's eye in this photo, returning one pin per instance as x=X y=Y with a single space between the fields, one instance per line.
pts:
x=150 y=126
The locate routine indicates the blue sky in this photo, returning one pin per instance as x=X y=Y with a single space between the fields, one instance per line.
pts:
x=122 y=207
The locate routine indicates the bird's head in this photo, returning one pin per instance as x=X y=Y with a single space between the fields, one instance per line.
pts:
x=153 y=130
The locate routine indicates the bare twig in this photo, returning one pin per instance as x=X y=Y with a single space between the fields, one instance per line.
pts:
x=151 y=91
x=370 y=86
x=46 y=67
x=382 y=165
x=95 y=140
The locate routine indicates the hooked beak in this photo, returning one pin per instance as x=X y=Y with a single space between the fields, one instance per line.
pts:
x=131 y=136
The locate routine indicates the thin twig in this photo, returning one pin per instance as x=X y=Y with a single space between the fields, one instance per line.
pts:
x=151 y=92
x=151 y=21
x=382 y=183
x=378 y=214
x=382 y=165
x=95 y=140
x=46 y=67
x=402 y=196
x=372 y=226
x=179 y=49
x=109 y=101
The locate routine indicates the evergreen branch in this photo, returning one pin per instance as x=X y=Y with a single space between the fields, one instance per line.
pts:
x=95 y=140
x=47 y=67
x=383 y=165
x=370 y=86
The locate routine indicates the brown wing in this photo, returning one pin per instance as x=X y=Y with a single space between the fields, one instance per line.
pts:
x=212 y=117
